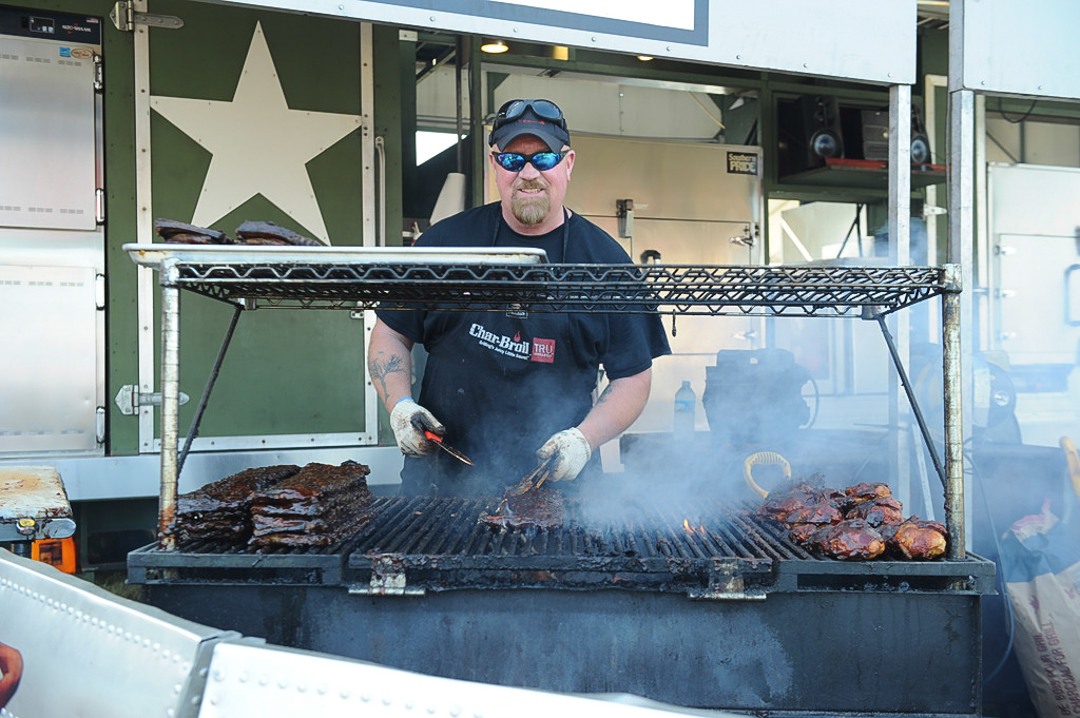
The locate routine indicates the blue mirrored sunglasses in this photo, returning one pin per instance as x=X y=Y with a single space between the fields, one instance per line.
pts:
x=515 y=161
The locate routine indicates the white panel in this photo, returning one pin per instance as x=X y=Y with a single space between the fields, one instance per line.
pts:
x=1036 y=262
x=1020 y=48
x=86 y=652
x=1051 y=144
x=853 y=39
x=1003 y=140
x=47 y=176
x=253 y=680
x=609 y=168
x=611 y=107
x=48 y=369
x=1037 y=285
x=1033 y=199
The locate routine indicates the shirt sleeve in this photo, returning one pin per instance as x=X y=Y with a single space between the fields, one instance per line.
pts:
x=636 y=339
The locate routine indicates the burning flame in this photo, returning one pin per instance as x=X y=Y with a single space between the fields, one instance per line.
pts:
x=691 y=529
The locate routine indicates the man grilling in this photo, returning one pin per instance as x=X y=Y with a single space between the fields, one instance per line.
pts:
x=514 y=390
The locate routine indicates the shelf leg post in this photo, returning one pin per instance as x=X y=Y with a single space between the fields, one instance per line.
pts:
x=170 y=403
x=953 y=402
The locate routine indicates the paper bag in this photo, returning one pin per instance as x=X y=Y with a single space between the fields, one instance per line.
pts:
x=1040 y=560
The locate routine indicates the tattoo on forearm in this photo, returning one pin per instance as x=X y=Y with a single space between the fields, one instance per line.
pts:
x=381 y=368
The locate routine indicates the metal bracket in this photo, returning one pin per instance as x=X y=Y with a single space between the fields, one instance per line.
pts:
x=99 y=74
x=624 y=214
x=128 y=399
x=29 y=529
x=125 y=18
x=387 y=579
x=726 y=583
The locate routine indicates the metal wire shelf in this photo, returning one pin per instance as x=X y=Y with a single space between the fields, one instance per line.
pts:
x=866 y=292
x=330 y=278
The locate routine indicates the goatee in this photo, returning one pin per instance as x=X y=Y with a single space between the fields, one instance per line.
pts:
x=530 y=210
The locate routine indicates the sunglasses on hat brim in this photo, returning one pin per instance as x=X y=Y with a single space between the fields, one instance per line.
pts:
x=515 y=161
x=544 y=109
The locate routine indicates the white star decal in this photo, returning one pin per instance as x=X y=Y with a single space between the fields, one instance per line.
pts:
x=259 y=144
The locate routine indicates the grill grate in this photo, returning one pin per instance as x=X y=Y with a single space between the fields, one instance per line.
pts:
x=453 y=526
x=440 y=544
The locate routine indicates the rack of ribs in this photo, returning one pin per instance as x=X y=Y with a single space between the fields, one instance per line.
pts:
x=221 y=511
x=319 y=506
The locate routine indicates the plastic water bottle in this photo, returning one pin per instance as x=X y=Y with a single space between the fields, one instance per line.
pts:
x=685 y=403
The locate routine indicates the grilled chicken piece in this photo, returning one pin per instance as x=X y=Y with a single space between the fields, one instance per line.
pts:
x=877 y=512
x=850 y=539
x=867 y=492
x=918 y=539
x=804 y=503
x=801 y=533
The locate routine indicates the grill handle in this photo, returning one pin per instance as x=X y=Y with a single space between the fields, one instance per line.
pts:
x=763 y=458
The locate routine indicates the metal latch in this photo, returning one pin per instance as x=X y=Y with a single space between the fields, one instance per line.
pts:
x=387 y=579
x=125 y=18
x=726 y=583
x=748 y=237
x=128 y=399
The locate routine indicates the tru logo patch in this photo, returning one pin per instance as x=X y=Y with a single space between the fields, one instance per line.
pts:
x=543 y=350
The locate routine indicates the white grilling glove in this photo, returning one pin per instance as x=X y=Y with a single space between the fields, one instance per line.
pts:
x=566 y=453
x=408 y=420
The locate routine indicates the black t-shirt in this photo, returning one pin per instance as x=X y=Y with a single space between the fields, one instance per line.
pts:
x=503 y=382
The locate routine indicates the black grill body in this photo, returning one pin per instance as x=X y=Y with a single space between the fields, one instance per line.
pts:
x=710 y=608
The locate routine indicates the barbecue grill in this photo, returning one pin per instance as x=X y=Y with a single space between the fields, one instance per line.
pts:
x=711 y=607
x=702 y=605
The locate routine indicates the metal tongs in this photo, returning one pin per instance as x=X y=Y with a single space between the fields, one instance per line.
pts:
x=532 y=480
x=438 y=441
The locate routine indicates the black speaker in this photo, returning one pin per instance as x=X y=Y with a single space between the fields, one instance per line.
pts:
x=810 y=131
x=873 y=135
x=821 y=115
x=920 y=141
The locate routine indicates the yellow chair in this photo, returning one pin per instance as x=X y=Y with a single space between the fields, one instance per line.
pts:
x=1072 y=460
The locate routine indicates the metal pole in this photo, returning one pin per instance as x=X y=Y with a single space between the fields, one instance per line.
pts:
x=459 y=60
x=170 y=402
x=954 y=428
x=900 y=255
x=906 y=383
x=193 y=432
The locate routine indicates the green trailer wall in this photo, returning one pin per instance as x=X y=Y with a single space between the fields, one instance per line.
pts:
x=286 y=372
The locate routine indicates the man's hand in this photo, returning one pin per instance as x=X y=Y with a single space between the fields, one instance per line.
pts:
x=408 y=420
x=11 y=669
x=566 y=453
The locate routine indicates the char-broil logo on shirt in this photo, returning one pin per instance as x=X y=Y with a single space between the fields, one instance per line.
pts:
x=501 y=343
x=543 y=350
x=539 y=350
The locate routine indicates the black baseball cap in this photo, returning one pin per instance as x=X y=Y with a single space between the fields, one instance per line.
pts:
x=540 y=118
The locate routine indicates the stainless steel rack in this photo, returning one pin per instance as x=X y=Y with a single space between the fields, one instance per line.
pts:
x=489 y=280
x=312 y=280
